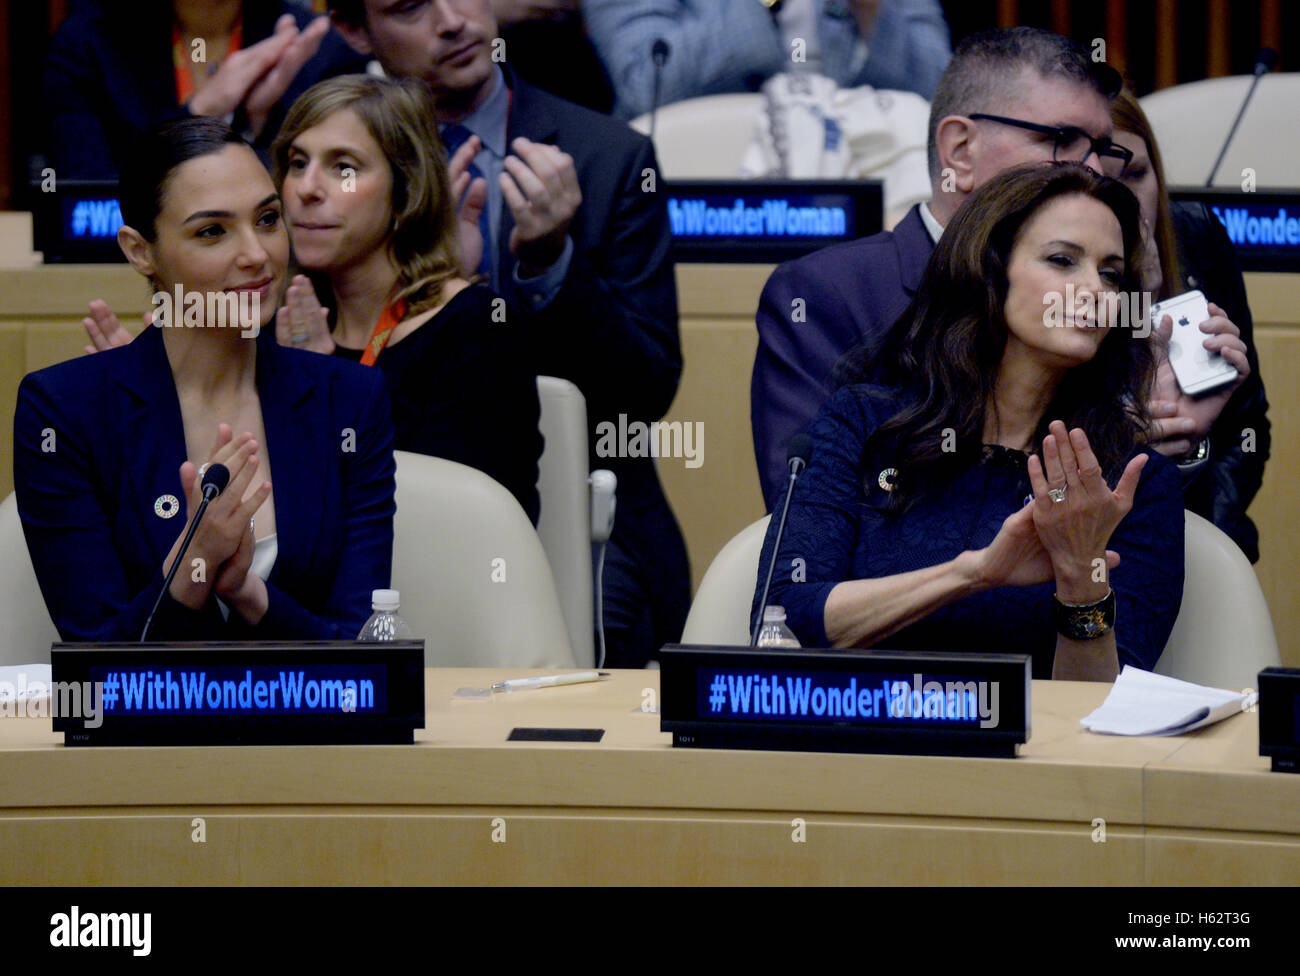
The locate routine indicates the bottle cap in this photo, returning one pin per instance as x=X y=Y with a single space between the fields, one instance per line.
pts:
x=384 y=599
x=773 y=614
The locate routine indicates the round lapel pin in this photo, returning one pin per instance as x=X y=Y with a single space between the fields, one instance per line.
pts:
x=885 y=479
x=166 y=506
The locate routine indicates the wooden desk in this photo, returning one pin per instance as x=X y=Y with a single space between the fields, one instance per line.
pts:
x=464 y=806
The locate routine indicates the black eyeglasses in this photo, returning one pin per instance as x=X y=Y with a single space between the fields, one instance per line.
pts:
x=1071 y=144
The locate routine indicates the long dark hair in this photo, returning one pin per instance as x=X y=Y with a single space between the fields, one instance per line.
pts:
x=945 y=349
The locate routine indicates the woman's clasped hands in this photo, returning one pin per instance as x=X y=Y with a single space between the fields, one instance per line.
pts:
x=221 y=553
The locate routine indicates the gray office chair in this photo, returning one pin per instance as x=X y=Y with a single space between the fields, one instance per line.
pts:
x=475 y=583
x=720 y=611
x=1224 y=635
x=28 y=629
x=569 y=497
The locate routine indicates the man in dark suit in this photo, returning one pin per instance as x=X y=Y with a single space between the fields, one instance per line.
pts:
x=560 y=211
x=994 y=108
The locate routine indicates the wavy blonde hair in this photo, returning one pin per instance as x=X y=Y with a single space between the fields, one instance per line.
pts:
x=398 y=114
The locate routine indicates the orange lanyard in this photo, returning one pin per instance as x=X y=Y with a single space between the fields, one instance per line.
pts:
x=181 y=62
x=393 y=314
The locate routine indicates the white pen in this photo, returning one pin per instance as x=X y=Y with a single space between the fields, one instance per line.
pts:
x=549 y=680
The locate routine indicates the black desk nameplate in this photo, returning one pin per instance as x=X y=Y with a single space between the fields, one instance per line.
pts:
x=908 y=702
x=1263 y=224
x=1279 y=718
x=738 y=221
x=214 y=693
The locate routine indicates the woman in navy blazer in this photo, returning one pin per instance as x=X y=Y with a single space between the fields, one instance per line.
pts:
x=100 y=443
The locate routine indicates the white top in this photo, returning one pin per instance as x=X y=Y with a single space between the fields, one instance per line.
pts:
x=932 y=226
x=264 y=553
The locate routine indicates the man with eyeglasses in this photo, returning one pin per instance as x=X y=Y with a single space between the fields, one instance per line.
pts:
x=1009 y=97
x=1070 y=144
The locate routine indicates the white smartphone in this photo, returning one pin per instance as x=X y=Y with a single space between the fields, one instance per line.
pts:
x=1197 y=369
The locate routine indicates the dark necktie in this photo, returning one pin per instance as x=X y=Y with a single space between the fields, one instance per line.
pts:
x=453 y=137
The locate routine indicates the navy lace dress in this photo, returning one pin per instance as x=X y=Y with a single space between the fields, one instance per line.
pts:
x=840 y=528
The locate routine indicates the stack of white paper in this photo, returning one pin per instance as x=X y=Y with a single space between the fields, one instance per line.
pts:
x=1142 y=703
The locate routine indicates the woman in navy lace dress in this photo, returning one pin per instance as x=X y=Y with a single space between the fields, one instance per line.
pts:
x=995 y=494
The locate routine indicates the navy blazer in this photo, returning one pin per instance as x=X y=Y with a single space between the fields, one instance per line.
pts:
x=97 y=440
x=812 y=311
x=612 y=327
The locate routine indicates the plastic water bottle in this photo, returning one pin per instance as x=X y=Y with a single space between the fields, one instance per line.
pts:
x=384 y=624
x=774 y=632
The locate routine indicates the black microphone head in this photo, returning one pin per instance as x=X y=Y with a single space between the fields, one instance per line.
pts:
x=659 y=51
x=1265 y=60
x=217 y=476
x=800 y=450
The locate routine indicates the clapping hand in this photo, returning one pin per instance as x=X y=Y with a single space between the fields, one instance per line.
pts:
x=270 y=87
x=472 y=194
x=258 y=76
x=1075 y=511
x=103 y=328
x=302 y=322
x=1059 y=540
x=540 y=186
x=220 y=537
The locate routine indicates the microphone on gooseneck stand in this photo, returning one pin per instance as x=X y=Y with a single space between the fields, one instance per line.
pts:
x=215 y=479
x=796 y=457
x=659 y=55
x=1265 y=61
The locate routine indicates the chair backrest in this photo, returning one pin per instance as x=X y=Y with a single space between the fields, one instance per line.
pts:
x=28 y=629
x=474 y=580
x=565 y=523
x=1191 y=121
x=703 y=138
x=1224 y=635
x=720 y=612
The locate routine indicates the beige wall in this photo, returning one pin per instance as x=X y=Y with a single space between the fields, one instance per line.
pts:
x=40 y=311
